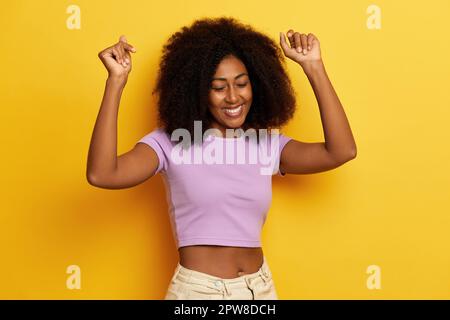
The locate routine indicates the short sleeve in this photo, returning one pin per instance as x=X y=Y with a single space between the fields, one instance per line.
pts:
x=283 y=140
x=157 y=140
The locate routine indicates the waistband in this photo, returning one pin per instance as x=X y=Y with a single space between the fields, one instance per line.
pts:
x=245 y=281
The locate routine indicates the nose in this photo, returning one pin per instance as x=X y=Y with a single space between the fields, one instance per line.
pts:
x=231 y=96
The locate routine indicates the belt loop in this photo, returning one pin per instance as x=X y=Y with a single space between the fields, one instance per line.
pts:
x=266 y=269
x=263 y=277
x=264 y=273
x=226 y=289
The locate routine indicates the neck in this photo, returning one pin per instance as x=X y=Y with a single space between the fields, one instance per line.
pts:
x=222 y=130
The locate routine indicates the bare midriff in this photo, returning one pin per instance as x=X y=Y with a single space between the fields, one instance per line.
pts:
x=221 y=261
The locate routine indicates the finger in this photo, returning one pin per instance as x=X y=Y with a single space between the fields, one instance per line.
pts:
x=309 y=40
x=103 y=53
x=283 y=42
x=122 y=54
x=123 y=39
x=298 y=44
x=116 y=55
x=127 y=57
x=108 y=52
x=290 y=34
x=304 y=41
x=129 y=47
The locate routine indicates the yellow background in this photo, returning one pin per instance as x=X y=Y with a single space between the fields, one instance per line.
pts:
x=388 y=207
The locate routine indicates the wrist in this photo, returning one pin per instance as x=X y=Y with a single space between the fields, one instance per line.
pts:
x=311 y=67
x=117 y=80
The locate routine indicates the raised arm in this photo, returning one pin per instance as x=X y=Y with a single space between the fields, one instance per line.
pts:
x=104 y=168
x=339 y=147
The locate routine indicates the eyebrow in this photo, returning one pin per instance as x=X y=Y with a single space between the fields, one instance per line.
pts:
x=240 y=75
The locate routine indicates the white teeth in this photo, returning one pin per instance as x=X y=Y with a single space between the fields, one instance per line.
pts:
x=234 y=111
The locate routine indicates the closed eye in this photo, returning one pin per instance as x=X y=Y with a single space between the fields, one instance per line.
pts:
x=239 y=85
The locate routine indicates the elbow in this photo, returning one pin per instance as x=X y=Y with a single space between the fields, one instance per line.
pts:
x=91 y=179
x=352 y=154
x=101 y=181
x=345 y=157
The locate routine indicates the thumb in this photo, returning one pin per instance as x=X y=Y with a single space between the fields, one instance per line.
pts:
x=283 y=42
x=123 y=39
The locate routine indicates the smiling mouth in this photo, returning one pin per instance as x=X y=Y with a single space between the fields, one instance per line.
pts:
x=234 y=112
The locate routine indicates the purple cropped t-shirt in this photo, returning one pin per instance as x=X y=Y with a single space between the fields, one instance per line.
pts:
x=217 y=196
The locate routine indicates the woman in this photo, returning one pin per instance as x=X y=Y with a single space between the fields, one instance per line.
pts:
x=223 y=75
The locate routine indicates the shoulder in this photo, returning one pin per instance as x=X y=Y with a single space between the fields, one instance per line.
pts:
x=158 y=134
x=158 y=139
x=277 y=136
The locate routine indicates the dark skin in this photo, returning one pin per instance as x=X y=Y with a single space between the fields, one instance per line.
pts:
x=224 y=261
x=107 y=170
x=221 y=261
x=338 y=148
x=231 y=89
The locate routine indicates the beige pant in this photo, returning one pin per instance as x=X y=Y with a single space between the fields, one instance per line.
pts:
x=187 y=284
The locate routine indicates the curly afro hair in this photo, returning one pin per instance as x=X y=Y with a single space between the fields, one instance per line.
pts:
x=190 y=59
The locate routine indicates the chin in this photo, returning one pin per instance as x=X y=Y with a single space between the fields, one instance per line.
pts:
x=234 y=124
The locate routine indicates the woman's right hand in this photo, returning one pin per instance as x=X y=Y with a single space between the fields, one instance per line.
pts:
x=117 y=59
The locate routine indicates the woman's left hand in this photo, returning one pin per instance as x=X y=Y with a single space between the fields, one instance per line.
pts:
x=304 y=49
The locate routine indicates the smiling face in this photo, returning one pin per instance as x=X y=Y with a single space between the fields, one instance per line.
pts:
x=230 y=95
